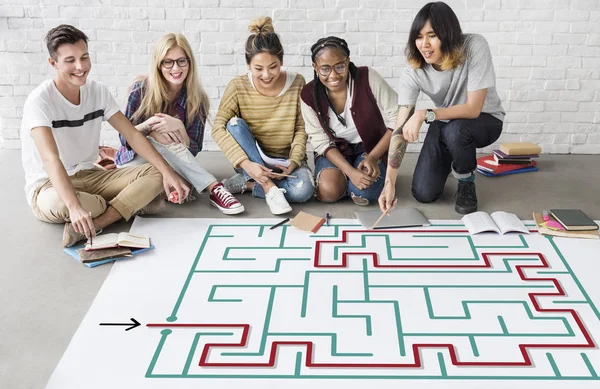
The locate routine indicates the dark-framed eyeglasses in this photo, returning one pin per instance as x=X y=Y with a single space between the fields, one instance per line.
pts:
x=169 y=63
x=339 y=68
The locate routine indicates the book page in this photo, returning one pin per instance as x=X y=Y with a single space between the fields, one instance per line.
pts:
x=272 y=161
x=128 y=240
x=508 y=222
x=103 y=241
x=477 y=222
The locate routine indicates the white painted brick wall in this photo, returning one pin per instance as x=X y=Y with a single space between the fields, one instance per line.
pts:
x=546 y=53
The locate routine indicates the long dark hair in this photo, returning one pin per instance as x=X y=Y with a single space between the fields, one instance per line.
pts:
x=446 y=26
x=320 y=90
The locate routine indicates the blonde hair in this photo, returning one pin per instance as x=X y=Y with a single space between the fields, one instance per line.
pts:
x=449 y=60
x=261 y=25
x=156 y=96
x=263 y=39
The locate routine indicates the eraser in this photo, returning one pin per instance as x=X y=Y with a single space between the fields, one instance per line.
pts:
x=174 y=197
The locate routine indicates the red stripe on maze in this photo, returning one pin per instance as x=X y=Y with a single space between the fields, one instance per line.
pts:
x=416 y=347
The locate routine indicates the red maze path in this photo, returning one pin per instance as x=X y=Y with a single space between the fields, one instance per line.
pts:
x=416 y=347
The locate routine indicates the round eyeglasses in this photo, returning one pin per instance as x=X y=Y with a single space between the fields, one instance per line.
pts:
x=339 y=68
x=169 y=63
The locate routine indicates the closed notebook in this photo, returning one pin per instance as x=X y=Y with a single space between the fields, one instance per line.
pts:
x=520 y=148
x=87 y=256
x=500 y=154
x=398 y=218
x=573 y=219
x=524 y=170
x=307 y=222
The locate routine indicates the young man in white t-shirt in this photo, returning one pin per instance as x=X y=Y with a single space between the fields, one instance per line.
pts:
x=60 y=136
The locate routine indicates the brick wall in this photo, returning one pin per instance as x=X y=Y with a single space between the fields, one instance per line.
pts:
x=546 y=53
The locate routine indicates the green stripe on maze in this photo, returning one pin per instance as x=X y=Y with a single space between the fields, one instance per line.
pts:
x=188 y=279
x=228 y=249
x=382 y=377
x=568 y=267
x=334 y=312
x=442 y=363
x=587 y=362
x=553 y=364
x=194 y=346
x=336 y=231
x=570 y=302
x=276 y=270
x=524 y=243
x=298 y=368
x=163 y=338
x=502 y=325
x=467 y=314
x=366 y=279
x=389 y=247
x=263 y=341
x=401 y=334
x=331 y=335
x=473 y=345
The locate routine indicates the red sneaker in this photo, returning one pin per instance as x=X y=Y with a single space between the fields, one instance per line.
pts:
x=222 y=199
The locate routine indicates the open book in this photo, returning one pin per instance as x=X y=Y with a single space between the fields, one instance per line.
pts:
x=272 y=162
x=122 y=239
x=499 y=221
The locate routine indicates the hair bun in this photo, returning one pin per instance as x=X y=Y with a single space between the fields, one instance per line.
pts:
x=262 y=25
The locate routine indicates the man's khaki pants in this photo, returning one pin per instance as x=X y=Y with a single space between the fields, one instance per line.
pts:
x=127 y=190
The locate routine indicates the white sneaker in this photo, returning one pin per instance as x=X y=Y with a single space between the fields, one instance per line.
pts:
x=277 y=202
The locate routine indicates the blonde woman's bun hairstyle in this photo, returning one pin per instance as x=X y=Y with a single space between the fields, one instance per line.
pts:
x=262 y=25
x=263 y=39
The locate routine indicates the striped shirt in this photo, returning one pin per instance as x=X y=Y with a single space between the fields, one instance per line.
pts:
x=276 y=122
x=195 y=129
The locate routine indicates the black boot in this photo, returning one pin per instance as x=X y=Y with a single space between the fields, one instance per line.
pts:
x=466 y=198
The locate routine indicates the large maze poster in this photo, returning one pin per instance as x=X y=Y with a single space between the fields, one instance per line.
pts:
x=225 y=304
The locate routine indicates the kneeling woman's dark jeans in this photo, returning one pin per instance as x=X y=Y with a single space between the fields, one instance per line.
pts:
x=451 y=146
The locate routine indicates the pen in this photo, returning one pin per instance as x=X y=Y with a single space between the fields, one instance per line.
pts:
x=545 y=215
x=287 y=219
x=327 y=219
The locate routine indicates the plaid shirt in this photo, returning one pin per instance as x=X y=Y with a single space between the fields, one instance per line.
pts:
x=195 y=129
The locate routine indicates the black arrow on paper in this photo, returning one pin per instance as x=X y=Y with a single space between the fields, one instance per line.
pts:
x=134 y=323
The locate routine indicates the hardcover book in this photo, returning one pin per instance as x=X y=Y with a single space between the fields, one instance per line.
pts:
x=574 y=219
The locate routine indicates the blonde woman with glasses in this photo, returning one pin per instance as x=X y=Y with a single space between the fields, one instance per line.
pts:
x=170 y=107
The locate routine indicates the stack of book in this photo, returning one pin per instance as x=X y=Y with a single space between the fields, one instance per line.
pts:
x=567 y=223
x=109 y=248
x=510 y=158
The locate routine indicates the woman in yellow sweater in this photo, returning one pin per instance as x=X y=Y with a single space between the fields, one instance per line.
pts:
x=259 y=125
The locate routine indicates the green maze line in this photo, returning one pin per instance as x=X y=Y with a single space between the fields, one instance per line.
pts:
x=334 y=312
x=581 y=289
x=389 y=247
x=367 y=298
x=193 y=347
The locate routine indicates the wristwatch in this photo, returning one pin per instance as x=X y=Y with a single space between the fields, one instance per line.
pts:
x=429 y=116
